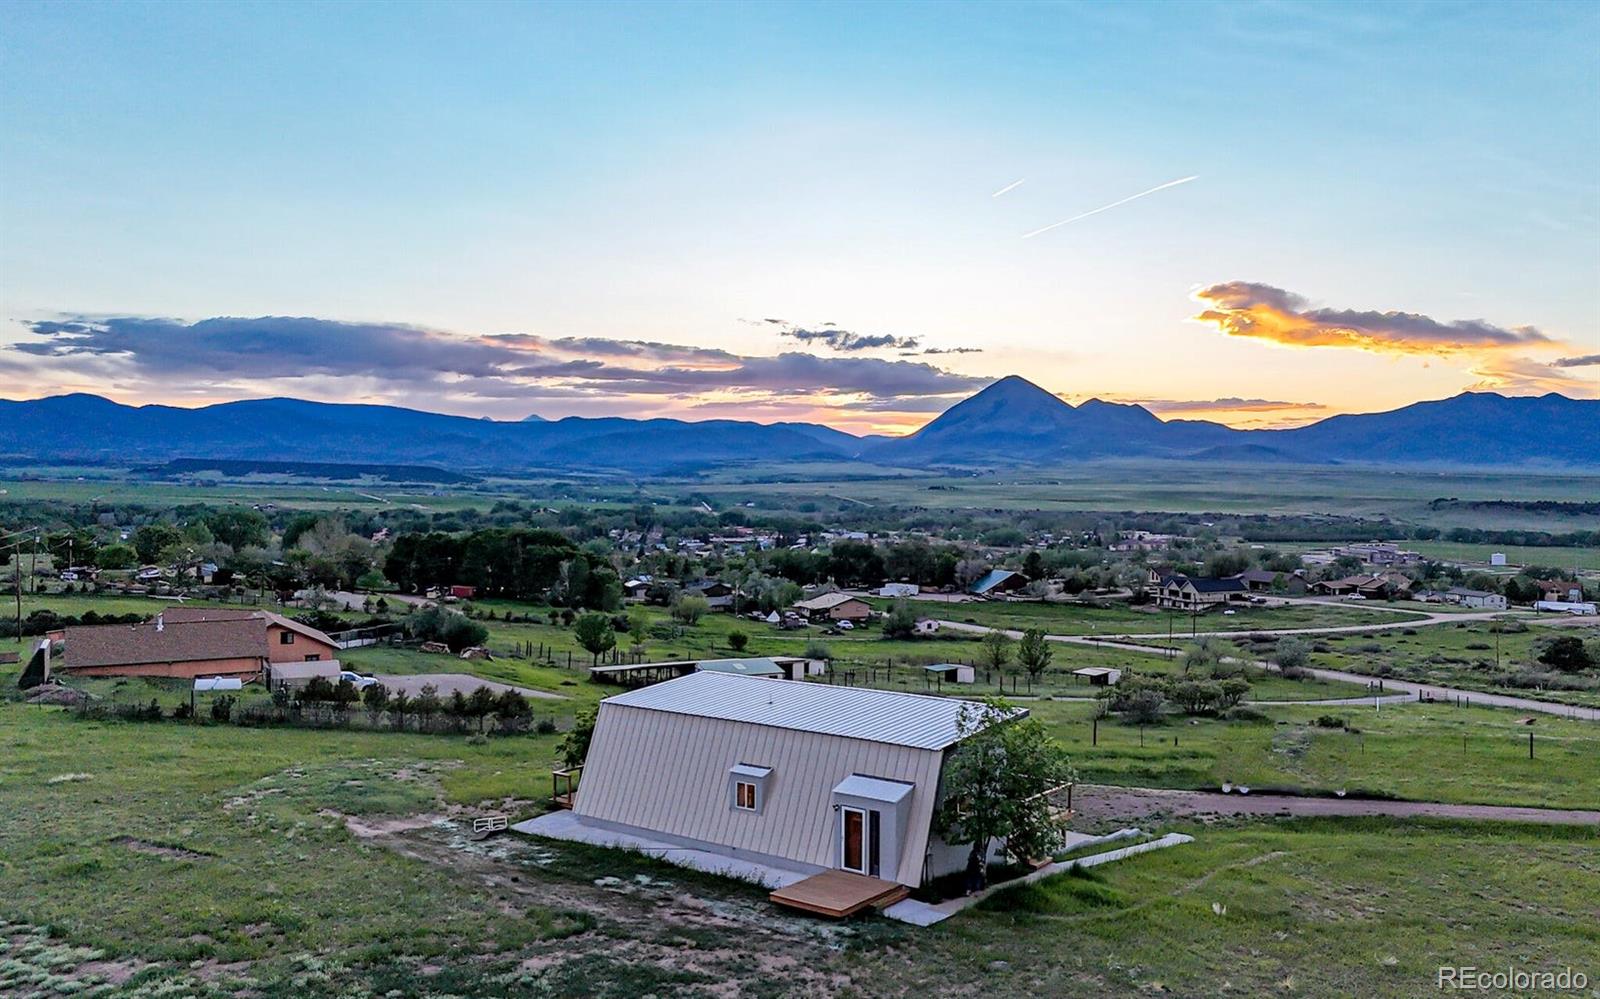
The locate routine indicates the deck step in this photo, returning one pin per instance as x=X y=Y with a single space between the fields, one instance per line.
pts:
x=838 y=894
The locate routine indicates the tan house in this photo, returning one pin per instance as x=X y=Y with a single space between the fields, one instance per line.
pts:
x=194 y=641
x=835 y=607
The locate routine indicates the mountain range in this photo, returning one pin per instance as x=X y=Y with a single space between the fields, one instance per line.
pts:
x=1010 y=422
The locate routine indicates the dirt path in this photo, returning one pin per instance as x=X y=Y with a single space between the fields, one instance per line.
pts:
x=1128 y=804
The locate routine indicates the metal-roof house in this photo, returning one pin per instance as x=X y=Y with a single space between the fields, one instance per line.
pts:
x=743 y=667
x=807 y=776
x=998 y=581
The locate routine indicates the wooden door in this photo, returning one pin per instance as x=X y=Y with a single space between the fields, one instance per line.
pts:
x=852 y=828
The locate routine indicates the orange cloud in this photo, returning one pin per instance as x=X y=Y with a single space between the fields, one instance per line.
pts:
x=1525 y=376
x=1263 y=312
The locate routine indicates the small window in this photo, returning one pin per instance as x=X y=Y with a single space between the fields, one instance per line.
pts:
x=285 y=638
x=314 y=657
x=744 y=796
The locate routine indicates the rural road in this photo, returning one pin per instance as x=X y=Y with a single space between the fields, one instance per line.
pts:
x=1095 y=801
x=1476 y=698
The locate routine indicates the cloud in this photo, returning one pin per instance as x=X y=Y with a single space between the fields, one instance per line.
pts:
x=1228 y=404
x=1576 y=362
x=844 y=341
x=1526 y=376
x=1263 y=312
x=501 y=373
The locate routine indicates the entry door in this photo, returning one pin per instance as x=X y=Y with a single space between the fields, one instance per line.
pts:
x=852 y=837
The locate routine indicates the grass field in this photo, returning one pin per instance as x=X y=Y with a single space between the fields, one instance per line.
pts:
x=1120 y=619
x=149 y=860
x=1560 y=558
x=1463 y=654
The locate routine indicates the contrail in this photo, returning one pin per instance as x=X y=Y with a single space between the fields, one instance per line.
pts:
x=1097 y=211
x=1009 y=187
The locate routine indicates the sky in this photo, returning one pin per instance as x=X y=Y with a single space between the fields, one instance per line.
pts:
x=837 y=213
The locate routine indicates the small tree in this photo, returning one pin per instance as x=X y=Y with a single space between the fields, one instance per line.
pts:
x=426 y=706
x=997 y=785
x=1034 y=653
x=595 y=634
x=638 y=627
x=511 y=711
x=344 y=695
x=400 y=705
x=1201 y=658
x=737 y=640
x=481 y=704
x=817 y=650
x=996 y=649
x=1566 y=653
x=375 y=698
x=457 y=710
x=689 y=608
x=574 y=746
x=221 y=708
x=1292 y=653
x=900 y=622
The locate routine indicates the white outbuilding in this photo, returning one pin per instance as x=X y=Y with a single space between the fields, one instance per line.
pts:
x=806 y=776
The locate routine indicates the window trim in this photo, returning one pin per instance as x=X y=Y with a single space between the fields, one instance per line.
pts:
x=739 y=787
x=286 y=637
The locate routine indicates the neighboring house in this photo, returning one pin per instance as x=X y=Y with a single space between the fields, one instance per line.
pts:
x=1558 y=590
x=925 y=626
x=193 y=641
x=76 y=573
x=636 y=590
x=1475 y=598
x=807 y=776
x=998 y=581
x=1267 y=581
x=1099 y=676
x=835 y=607
x=897 y=590
x=719 y=595
x=1195 y=593
x=1373 y=586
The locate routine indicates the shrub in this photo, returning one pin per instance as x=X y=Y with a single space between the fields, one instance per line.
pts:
x=737 y=640
x=817 y=650
x=545 y=726
x=1244 y=713
x=900 y=622
x=1296 y=673
x=1144 y=708
x=1330 y=721
x=438 y=624
x=221 y=708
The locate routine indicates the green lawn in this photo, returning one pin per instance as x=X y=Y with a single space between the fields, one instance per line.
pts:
x=1120 y=619
x=162 y=859
x=1464 y=654
x=1426 y=752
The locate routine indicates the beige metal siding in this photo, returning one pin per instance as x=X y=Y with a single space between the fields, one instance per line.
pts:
x=668 y=772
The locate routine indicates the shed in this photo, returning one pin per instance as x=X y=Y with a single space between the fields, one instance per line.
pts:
x=743 y=667
x=950 y=672
x=294 y=676
x=997 y=581
x=1099 y=676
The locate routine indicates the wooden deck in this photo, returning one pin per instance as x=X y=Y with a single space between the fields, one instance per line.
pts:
x=839 y=894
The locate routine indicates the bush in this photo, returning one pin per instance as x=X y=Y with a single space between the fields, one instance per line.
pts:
x=1295 y=673
x=1244 y=713
x=1144 y=708
x=221 y=708
x=545 y=726
x=900 y=622
x=817 y=650
x=737 y=640
x=1330 y=721
x=437 y=624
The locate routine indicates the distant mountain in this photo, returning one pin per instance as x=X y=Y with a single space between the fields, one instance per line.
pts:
x=1011 y=422
x=85 y=427
x=1015 y=420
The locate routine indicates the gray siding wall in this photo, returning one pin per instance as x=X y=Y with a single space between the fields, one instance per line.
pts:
x=668 y=772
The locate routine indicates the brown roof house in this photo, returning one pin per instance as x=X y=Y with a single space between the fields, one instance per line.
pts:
x=835 y=607
x=191 y=641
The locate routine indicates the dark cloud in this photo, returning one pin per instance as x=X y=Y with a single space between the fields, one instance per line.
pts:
x=398 y=360
x=844 y=341
x=1260 y=311
x=1582 y=361
x=952 y=350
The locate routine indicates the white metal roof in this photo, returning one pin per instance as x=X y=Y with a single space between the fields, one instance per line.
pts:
x=915 y=720
x=1095 y=671
x=874 y=788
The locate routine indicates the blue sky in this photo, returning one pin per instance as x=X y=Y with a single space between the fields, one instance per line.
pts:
x=631 y=190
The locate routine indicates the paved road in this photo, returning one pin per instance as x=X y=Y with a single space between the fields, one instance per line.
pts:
x=1132 y=803
x=1476 y=698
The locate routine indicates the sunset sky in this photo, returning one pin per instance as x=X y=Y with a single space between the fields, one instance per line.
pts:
x=824 y=212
